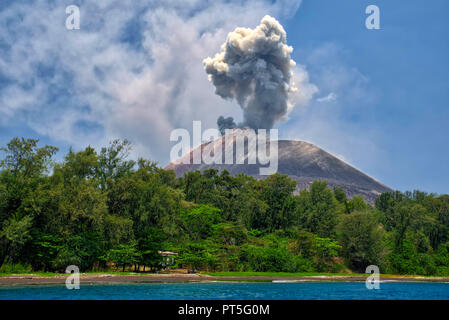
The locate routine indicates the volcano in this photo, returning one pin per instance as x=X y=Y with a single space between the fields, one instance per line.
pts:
x=301 y=161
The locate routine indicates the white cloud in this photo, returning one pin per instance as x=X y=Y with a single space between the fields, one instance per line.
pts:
x=329 y=98
x=58 y=78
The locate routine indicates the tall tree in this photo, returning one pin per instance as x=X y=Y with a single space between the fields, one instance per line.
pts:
x=316 y=209
x=361 y=237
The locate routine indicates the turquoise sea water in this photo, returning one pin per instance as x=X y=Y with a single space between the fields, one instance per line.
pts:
x=231 y=291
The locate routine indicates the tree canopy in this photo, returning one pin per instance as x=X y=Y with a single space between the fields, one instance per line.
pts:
x=100 y=210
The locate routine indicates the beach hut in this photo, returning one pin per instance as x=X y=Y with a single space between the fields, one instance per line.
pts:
x=169 y=258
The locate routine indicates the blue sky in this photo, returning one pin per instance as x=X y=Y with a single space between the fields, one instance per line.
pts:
x=134 y=70
x=407 y=67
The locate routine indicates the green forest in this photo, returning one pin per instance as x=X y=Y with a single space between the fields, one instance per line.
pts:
x=99 y=210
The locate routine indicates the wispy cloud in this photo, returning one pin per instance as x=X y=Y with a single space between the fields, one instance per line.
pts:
x=329 y=98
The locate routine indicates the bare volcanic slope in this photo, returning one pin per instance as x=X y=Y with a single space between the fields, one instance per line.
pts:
x=303 y=162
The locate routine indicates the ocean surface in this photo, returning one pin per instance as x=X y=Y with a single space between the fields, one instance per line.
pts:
x=233 y=291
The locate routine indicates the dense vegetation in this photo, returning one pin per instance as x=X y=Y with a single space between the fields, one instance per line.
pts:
x=97 y=209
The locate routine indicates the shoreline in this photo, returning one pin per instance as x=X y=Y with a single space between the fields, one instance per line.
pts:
x=15 y=280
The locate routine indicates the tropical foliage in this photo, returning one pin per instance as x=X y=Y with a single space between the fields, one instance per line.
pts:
x=101 y=209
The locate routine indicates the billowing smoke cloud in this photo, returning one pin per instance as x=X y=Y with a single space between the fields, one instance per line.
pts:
x=225 y=123
x=255 y=68
x=131 y=71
